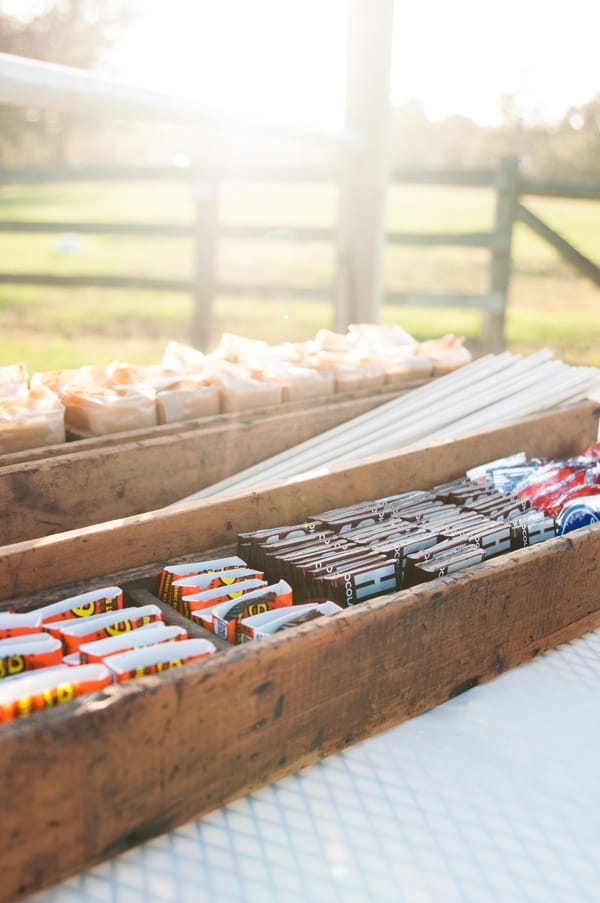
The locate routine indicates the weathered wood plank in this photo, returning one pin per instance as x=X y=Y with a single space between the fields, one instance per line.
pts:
x=458 y=239
x=99 y=281
x=582 y=263
x=96 y=480
x=479 y=178
x=352 y=403
x=492 y=326
x=363 y=177
x=172 y=230
x=239 y=172
x=272 y=290
x=491 y=301
x=138 y=759
x=584 y=189
x=162 y=536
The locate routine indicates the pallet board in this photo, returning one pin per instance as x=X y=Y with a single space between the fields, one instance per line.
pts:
x=367 y=397
x=69 y=486
x=94 y=777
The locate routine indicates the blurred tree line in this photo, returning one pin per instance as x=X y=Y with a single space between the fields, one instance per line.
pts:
x=82 y=33
x=72 y=32
x=569 y=148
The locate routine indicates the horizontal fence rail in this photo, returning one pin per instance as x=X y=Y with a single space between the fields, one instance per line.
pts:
x=36 y=83
x=560 y=244
x=205 y=231
x=143 y=173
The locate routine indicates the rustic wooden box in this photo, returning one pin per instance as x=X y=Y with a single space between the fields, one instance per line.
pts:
x=88 y=780
x=62 y=487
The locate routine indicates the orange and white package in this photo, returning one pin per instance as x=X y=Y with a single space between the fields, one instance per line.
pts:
x=183 y=358
x=46 y=671
x=187 y=399
x=446 y=354
x=72 y=659
x=97 y=410
x=85 y=630
x=239 y=391
x=14 y=623
x=51 y=687
x=269 y=622
x=194 y=601
x=297 y=382
x=197 y=583
x=353 y=375
x=172 y=572
x=26 y=653
x=30 y=419
x=85 y=605
x=99 y=650
x=226 y=618
x=13 y=380
x=235 y=348
x=158 y=658
x=204 y=616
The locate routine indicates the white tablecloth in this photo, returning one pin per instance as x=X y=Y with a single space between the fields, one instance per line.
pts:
x=493 y=796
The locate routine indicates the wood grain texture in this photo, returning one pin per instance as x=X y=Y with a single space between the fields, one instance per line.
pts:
x=104 y=550
x=368 y=397
x=93 y=482
x=91 y=779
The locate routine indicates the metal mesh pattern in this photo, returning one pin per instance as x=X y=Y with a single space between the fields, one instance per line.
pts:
x=493 y=796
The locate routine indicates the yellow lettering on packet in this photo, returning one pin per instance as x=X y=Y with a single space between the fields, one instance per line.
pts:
x=16 y=664
x=120 y=627
x=164 y=666
x=24 y=705
x=95 y=607
x=11 y=664
x=84 y=611
x=64 y=693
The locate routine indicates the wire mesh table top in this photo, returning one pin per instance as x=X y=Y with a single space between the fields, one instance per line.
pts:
x=493 y=796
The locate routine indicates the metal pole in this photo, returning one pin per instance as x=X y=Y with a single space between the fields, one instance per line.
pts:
x=492 y=327
x=206 y=201
x=363 y=186
x=27 y=82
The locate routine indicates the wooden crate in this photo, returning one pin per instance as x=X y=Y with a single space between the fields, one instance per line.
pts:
x=63 y=487
x=88 y=780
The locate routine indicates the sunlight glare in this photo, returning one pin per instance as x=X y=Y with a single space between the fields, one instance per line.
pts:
x=275 y=60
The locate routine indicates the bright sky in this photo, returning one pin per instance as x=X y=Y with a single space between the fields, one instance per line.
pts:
x=284 y=59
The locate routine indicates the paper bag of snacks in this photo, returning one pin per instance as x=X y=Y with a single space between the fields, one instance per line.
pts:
x=30 y=419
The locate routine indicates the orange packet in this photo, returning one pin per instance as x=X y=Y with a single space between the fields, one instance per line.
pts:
x=95 y=602
x=100 y=650
x=84 y=630
x=197 y=583
x=269 y=622
x=19 y=623
x=172 y=572
x=211 y=597
x=42 y=689
x=158 y=658
x=227 y=617
x=204 y=615
x=26 y=653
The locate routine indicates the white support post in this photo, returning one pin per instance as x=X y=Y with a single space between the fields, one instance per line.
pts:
x=363 y=182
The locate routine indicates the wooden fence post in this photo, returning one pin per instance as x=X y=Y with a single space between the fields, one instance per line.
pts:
x=205 y=193
x=507 y=183
x=363 y=180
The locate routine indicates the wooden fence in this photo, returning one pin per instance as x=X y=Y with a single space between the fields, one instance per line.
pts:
x=206 y=231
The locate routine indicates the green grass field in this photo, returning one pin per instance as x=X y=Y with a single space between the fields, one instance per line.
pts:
x=47 y=328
